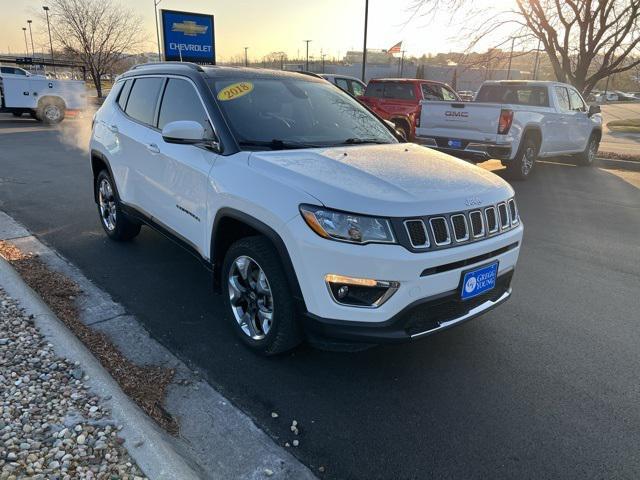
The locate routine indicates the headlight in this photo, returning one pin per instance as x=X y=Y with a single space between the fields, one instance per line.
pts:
x=347 y=227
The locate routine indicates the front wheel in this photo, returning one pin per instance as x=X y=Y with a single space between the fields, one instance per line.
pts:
x=587 y=157
x=114 y=221
x=520 y=167
x=258 y=297
x=51 y=112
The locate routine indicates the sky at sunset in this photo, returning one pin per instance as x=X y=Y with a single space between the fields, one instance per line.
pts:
x=335 y=26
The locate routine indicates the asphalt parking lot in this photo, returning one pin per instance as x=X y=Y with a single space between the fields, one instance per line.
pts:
x=544 y=387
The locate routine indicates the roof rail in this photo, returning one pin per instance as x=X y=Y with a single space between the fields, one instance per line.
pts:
x=193 y=66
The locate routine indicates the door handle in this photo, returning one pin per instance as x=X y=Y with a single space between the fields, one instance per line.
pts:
x=153 y=148
x=113 y=128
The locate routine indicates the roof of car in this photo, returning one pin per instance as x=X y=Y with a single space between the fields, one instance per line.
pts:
x=407 y=80
x=217 y=71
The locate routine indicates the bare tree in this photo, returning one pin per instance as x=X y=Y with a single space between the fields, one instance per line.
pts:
x=585 y=40
x=98 y=33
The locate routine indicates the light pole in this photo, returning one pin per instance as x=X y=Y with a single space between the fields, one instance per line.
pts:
x=246 y=59
x=364 y=48
x=24 y=30
x=155 y=14
x=33 y=51
x=46 y=9
x=323 y=55
x=307 y=63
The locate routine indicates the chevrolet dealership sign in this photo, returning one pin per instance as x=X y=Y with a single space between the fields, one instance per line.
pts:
x=188 y=37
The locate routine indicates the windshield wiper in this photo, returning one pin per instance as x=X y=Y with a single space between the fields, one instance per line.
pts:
x=361 y=141
x=277 y=144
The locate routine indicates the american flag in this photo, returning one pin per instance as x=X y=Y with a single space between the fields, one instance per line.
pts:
x=396 y=48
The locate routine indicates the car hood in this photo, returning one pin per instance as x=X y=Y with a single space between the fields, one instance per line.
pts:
x=386 y=180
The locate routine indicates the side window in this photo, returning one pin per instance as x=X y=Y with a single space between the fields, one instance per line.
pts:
x=448 y=94
x=181 y=102
x=342 y=83
x=375 y=90
x=576 y=101
x=563 y=99
x=19 y=71
x=431 y=92
x=143 y=98
x=399 y=90
x=124 y=94
x=356 y=88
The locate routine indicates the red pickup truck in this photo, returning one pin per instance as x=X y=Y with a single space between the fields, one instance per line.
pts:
x=398 y=100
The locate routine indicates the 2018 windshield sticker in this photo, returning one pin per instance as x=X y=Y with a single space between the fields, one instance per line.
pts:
x=234 y=91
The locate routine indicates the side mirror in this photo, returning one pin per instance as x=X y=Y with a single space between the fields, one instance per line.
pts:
x=593 y=109
x=186 y=132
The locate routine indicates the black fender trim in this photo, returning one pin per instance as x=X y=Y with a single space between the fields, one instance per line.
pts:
x=268 y=232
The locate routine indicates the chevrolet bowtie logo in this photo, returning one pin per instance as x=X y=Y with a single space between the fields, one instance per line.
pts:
x=189 y=28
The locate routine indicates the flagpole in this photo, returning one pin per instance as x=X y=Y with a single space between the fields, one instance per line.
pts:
x=402 y=64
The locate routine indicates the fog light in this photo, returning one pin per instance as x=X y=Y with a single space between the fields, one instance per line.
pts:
x=360 y=292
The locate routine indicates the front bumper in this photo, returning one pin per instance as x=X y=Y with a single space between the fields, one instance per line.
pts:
x=472 y=150
x=419 y=319
x=423 y=277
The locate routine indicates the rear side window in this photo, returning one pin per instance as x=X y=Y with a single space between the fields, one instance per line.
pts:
x=181 y=102
x=124 y=94
x=515 y=94
x=375 y=90
x=143 y=99
x=356 y=88
x=399 y=90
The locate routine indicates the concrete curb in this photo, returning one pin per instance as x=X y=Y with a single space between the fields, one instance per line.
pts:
x=155 y=456
x=618 y=164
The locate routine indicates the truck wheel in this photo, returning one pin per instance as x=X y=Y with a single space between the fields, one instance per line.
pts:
x=17 y=114
x=587 y=157
x=258 y=297
x=114 y=221
x=51 y=112
x=520 y=167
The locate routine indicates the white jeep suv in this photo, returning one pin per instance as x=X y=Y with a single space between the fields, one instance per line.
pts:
x=314 y=219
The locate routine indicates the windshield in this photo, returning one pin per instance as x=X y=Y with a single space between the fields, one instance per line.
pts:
x=277 y=113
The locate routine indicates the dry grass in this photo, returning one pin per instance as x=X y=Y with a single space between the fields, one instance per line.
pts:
x=146 y=385
x=629 y=125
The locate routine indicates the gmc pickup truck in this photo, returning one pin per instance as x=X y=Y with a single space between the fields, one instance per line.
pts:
x=515 y=122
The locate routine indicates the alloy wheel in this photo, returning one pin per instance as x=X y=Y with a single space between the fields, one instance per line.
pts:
x=107 y=202
x=52 y=113
x=250 y=297
x=593 y=150
x=528 y=158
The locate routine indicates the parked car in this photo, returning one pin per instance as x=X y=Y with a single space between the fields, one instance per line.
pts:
x=466 y=95
x=516 y=122
x=607 y=97
x=400 y=100
x=44 y=99
x=311 y=215
x=349 y=84
x=624 y=97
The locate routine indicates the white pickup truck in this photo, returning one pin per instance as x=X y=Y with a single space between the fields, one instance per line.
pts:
x=516 y=122
x=47 y=100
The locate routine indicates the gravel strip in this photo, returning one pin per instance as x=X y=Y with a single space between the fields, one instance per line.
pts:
x=51 y=426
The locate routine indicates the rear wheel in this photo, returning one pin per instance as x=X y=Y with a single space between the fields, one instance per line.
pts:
x=258 y=297
x=17 y=114
x=51 y=112
x=521 y=166
x=587 y=157
x=114 y=221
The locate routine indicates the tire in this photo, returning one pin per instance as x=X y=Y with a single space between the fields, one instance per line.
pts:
x=114 y=221
x=521 y=166
x=587 y=157
x=259 y=302
x=51 y=112
x=17 y=114
x=33 y=114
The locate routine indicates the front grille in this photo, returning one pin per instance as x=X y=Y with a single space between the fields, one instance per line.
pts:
x=492 y=221
x=417 y=233
x=440 y=231
x=477 y=227
x=460 y=230
x=447 y=230
x=429 y=315
x=514 y=212
x=504 y=216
